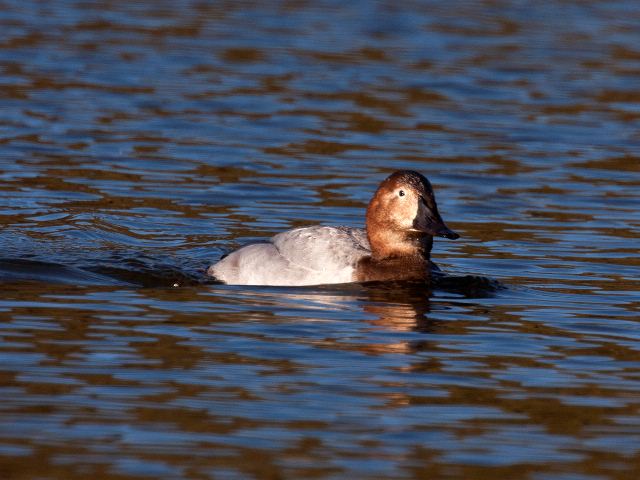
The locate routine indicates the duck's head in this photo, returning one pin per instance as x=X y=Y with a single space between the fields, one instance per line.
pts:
x=403 y=217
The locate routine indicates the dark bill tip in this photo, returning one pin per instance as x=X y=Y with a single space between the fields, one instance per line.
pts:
x=450 y=234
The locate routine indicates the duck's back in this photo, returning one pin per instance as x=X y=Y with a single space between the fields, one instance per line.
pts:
x=303 y=256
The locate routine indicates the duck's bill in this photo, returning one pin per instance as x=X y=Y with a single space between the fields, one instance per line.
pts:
x=434 y=226
x=446 y=232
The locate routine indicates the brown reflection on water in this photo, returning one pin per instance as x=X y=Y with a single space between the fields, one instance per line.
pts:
x=141 y=141
x=129 y=366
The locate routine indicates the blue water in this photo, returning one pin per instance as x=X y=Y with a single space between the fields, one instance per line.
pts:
x=139 y=141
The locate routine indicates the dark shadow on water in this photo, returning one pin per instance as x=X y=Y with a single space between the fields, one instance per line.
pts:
x=470 y=286
x=130 y=272
x=146 y=272
x=141 y=274
x=17 y=270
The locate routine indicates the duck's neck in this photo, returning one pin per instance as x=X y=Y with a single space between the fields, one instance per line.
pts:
x=396 y=258
x=389 y=244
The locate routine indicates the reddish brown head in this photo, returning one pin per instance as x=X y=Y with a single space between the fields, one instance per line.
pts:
x=402 y=217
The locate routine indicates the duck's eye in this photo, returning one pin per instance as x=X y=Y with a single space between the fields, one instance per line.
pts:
x=401 y=193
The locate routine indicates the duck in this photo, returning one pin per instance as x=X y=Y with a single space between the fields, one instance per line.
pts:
x=402 y=219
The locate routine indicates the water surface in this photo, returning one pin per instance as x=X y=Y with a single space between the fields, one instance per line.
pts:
x=139 y=141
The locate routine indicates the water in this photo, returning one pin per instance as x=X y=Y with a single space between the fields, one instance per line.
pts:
x=141 y=141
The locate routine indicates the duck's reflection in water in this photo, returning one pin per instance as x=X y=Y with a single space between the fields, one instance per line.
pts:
x=399 y=306
x=390 y=309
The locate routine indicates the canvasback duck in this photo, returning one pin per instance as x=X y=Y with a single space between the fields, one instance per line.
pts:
x=402 y=219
